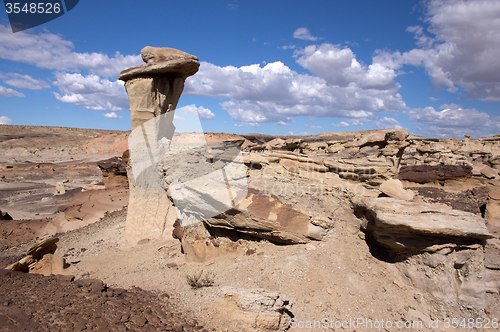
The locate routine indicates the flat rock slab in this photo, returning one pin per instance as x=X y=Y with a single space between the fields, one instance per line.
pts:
x=266 y=217
x=163 y=61
x=403 y=225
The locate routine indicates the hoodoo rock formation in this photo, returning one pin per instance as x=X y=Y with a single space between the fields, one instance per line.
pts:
x=153 y=89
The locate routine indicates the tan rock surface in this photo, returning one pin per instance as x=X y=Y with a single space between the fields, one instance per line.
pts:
x=162 y=61
x=394 y=188
x=264 y=216
x=48 y=265
x=402 y=225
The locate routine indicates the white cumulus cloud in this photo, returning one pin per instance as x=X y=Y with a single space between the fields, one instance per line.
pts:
x=460 y=48
x=388 y=123
x=203 y=113
x=276 y=93
x=91 y=92
x=51 y=51
x=112 y=115
x=341 y=124
x=454 y=121
x=339 y=67
x=5 y=120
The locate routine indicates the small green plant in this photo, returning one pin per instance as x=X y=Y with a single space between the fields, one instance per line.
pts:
x=197 y=281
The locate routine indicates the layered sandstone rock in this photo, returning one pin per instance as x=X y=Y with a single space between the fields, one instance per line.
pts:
x=410 y=226
x=257 y=309
x=266 y=217
x=153 y=89
x=114 y=172
x=40 y=259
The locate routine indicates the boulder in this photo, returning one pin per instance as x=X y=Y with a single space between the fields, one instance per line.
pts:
x=38 y=250
x=60 y=190
x=178 y=232
x=397 y=135
x=489 y=172
x=22 y=265
x=292 y=144
x=254 y=161
x=394 y=188
x=374 y=138
x=276 y=144
x=49 y=264
x=40 y=259
x=256 y=309
x=409 y=226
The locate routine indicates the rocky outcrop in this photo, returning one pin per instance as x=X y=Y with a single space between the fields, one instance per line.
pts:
x=382 y=137
x=492 y=213
x=404 y=226
x=257 y=309
x=265 y=217
x=114 y=172
x=5 y=216
x=454 y=278
x=40 y=259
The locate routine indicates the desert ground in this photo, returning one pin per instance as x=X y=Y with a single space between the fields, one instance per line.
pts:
x=357 y=231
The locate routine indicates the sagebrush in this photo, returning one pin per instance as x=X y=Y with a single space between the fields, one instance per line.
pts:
x=197 y=280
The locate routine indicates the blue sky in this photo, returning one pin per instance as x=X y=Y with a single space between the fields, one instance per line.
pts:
x=273 y=67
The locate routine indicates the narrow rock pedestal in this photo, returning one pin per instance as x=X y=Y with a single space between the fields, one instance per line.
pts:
x=153 y=89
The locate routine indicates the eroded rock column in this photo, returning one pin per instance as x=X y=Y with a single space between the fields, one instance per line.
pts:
x=153 y=89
